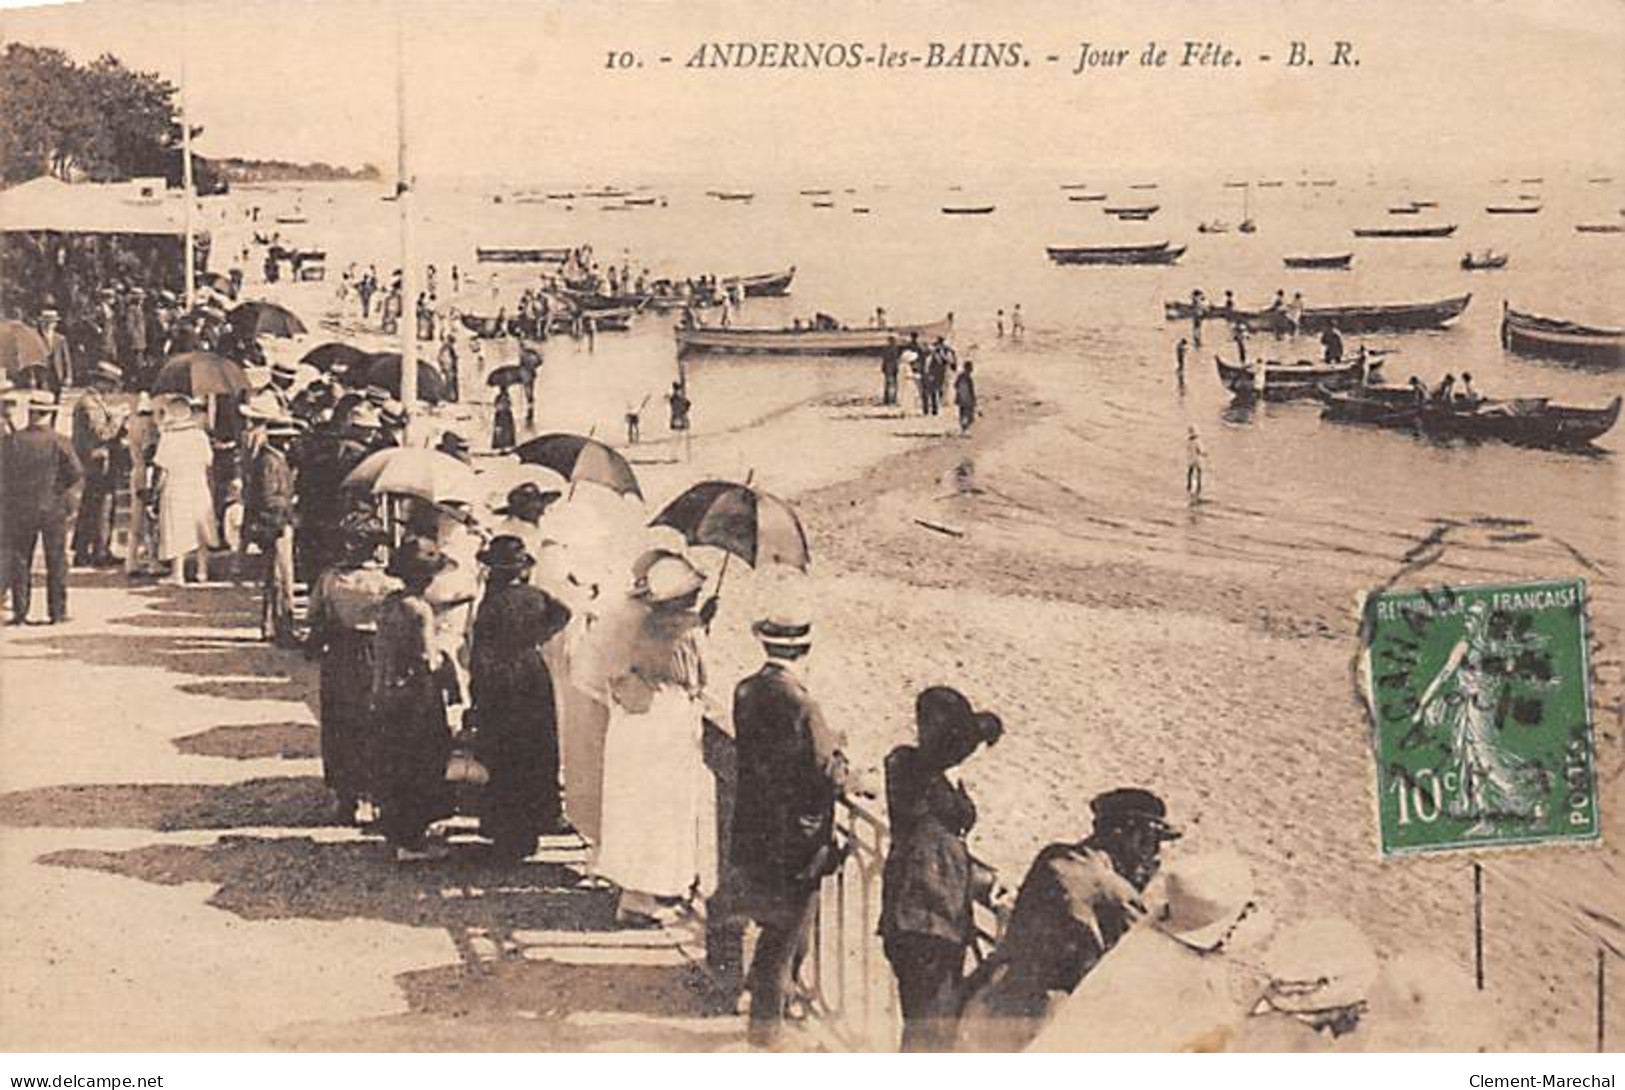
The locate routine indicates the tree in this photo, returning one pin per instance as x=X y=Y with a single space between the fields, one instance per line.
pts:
x=102 y=121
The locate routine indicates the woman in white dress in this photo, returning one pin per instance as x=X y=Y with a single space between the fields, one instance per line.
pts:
x=186 y=522
x=653 y=767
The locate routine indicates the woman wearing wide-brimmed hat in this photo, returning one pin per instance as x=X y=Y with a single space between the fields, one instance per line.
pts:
x=930 y=880
x=652 y=759
x=515 y=704
x=344 y=606
x=414 y=739
x=186 y=517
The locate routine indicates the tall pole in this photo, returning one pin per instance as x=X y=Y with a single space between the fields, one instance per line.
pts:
x=187 y=192
x=403 y=201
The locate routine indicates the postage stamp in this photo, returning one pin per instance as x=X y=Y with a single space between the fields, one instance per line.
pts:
x=1481 y=712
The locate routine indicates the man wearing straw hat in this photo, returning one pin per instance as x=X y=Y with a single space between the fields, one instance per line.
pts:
x=141 y=436
x=791 y=770
x=58 y=360
x=39 y=486
x=268 y=504
x=96 y=430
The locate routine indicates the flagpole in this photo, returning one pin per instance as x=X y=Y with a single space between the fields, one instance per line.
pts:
x=403 y=199
x=187 y=190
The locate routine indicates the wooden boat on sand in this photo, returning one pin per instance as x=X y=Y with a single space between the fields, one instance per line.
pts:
x=1355 y=318
x=763 y=284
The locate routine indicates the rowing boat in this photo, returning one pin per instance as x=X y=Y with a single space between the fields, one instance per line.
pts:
x=1318 y=261
x=1289 y=381
x=1489 y=259
x=968 y=209
x=1358 y=318
x=1531 y=334
x=1521 y=421
x=1126 y=210
x=868 y=341
x=1443 y=230
x=1522 y=208
x=1086 y=196
x=763 y=284
x=522 y=255
x=1600 y=228
x=1150 y=253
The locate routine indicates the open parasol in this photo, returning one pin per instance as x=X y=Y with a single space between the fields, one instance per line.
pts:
x=384 y=369
x=200 y=374
x=258 y=318
x=581 y=459
x=415 y=471
x=336 y=357
x=753 y=525
x=509 y=374
x=20 y=347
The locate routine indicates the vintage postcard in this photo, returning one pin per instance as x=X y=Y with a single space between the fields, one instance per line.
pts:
x=845 y=527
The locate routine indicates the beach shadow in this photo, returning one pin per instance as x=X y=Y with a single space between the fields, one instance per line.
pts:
x=254 y=741
x=296 y=877
x=300 y=802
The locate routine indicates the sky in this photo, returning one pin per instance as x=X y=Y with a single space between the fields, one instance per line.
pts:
x=517 y=90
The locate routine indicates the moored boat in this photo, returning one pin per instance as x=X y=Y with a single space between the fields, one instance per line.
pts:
x=1289 y=381
x=591 y=300
x=733 y=195
x=763 y=284
x=864 y=341
x=1522 y=208
x=1532 y=334
x=1404 y=210
x=522 y=255
x=1357 y=318
x=968 y=209
x=1489 y=259
x=1150 y=253
x=1086 y=196
x=1600 y=228
x=1441 y=230
x=1318 y=261
x=1213 y=227
x=1127 y=210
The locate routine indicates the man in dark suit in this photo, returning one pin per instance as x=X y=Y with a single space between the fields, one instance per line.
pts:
x=1076 y=902
x=791 y=770
x=96 y=429
x=39 y=480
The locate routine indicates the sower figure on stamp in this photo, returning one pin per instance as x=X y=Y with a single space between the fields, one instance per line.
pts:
x=1076 y=901
x=791 y=769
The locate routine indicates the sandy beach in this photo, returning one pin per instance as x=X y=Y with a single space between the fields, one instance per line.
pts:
x=171 y=850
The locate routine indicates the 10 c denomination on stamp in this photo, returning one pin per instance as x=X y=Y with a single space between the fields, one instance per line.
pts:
x=1480 y=704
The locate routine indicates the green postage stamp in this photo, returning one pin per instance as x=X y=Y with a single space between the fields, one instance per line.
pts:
x=1481 y=709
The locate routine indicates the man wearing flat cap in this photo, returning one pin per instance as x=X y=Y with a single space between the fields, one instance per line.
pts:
x=39 y=488
x=1076 y=902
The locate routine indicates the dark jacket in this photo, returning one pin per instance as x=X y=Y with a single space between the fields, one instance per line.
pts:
x=790 y=771
x=930 y=879
x=268 y=497
x=38 y=475
x=1068 y=913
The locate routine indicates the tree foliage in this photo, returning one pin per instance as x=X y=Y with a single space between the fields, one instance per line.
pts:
x=99 y=121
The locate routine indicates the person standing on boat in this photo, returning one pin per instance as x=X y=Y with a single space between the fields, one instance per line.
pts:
x=1195 y=456
x=891 y=363
x=1294 y=313
x=1332 y=342
x=1468 y=397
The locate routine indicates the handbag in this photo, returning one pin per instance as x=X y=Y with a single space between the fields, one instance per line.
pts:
x=464 y=766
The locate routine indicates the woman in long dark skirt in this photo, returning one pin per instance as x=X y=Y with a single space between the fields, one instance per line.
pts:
x=344 y=607
x=414 y=739
x=514 y=702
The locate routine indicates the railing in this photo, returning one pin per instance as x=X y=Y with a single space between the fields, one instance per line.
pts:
x=845 y=980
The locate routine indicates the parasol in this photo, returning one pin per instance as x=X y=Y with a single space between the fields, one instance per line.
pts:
x=335 y=357
x=415 y=471
x=509 y=374
x=200 y=374
x=20 y=347
x=753 y=525
x=259 y=318
x=384 y=369
x=580 y=459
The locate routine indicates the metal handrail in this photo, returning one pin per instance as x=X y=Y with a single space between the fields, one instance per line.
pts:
x=845 y=980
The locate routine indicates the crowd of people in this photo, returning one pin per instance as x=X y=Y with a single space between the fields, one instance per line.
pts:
x=930 y=366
